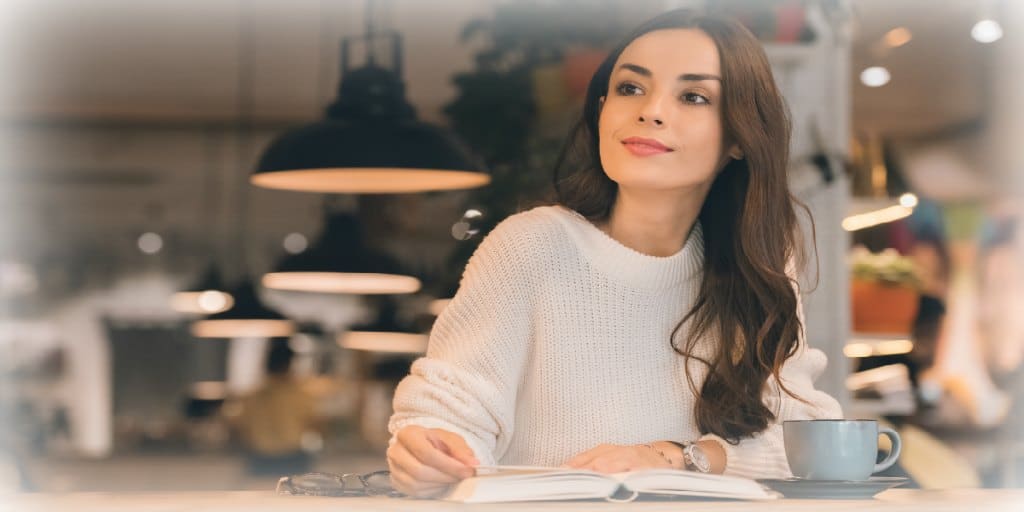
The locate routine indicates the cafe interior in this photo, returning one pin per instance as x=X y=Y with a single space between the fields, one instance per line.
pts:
x=201 y=197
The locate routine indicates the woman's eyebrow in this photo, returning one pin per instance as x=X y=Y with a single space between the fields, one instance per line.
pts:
x=686 y=77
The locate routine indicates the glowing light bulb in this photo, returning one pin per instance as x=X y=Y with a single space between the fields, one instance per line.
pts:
x=987 y=31
x=875 y=76
x=295 y=243
x=150 y=243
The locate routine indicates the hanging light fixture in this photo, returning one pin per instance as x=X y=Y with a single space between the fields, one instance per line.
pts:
x=370 y=141
x=339 y=262
x=385 y=334
x=249 y=318
x=206 y=297
x=208 y=294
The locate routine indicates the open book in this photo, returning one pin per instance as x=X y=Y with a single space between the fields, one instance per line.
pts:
x=529 y=483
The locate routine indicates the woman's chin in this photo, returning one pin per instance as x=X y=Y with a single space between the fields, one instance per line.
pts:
x=652 y=183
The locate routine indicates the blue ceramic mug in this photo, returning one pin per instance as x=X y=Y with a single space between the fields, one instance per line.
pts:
x=837 y=449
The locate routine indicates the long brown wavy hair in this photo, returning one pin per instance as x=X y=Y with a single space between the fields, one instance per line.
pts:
x=747 y=300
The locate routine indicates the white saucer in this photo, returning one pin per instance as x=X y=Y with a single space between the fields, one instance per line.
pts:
x=833 y=489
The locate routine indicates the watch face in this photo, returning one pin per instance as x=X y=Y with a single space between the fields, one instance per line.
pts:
x=699 y=460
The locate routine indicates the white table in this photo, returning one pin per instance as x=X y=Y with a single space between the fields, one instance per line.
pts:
x=985 y=500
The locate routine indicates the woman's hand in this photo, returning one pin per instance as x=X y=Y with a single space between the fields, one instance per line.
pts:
x=613 y=458
x=425 y=462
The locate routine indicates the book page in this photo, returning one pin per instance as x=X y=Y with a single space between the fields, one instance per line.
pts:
x=509 y=470
x=531 y=483
x=537 y=483
x=692 y=483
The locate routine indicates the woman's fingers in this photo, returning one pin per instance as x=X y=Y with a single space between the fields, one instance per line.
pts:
x=584 y=459
x=453 y=445
x=409 y=486
x=616 y=458
x=418 y=442
x=408 y=464
x=425 y=462
x=604 y=464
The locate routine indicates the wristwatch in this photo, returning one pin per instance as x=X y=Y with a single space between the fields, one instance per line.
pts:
x=695 y=459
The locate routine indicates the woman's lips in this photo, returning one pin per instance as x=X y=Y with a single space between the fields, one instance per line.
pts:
x=640 y=146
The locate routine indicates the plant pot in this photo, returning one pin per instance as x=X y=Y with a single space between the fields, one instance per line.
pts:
x=883 y=308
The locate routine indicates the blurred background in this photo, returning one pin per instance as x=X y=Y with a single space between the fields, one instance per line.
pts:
x=227 y=226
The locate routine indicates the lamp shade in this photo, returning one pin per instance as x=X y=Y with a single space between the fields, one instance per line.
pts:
x=249 y=318
x=342 y=156
x=384 y=341
x=369 y=143
x=385 y=334
x=207 y=296
x=339 y=262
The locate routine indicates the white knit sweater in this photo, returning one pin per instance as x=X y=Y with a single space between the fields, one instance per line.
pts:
x=558 y=340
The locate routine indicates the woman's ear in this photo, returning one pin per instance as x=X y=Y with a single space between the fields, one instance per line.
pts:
x=735 y=152
x=600 y=104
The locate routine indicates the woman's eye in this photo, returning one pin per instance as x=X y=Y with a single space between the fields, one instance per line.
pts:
x=696 y=99
x=628 y=89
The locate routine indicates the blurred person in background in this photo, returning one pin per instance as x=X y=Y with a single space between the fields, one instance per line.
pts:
x=1002 y=293
x=931 y=260
x=276 y=421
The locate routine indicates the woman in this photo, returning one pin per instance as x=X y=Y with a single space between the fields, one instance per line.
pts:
x=649 y=318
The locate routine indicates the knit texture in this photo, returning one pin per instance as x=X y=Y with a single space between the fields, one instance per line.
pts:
x=558 y=341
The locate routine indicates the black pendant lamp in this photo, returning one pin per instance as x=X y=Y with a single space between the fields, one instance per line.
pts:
x=370 y=141
x=249 y=318
x=205 y=297
x=340 y=262
x=385 y=334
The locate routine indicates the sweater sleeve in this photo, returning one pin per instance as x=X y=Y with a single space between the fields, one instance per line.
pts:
x=477 y=351
x=763 y=455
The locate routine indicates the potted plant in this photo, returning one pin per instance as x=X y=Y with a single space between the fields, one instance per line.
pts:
x=515 y=107
x=884 y=291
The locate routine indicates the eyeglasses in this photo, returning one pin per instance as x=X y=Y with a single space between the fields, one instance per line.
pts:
x=377 y=483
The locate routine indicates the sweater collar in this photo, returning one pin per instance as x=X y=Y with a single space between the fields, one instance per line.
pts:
x=629 y=265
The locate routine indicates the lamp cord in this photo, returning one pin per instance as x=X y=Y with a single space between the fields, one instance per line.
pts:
x=243 y=141
x=370 y=57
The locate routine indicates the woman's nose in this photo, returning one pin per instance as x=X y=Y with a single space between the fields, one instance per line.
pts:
x=652 y=112
x=653 y=119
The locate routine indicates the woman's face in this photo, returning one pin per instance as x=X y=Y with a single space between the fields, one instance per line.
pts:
x=660 y=126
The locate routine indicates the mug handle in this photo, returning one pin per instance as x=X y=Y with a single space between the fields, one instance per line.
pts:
x=894 y=452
